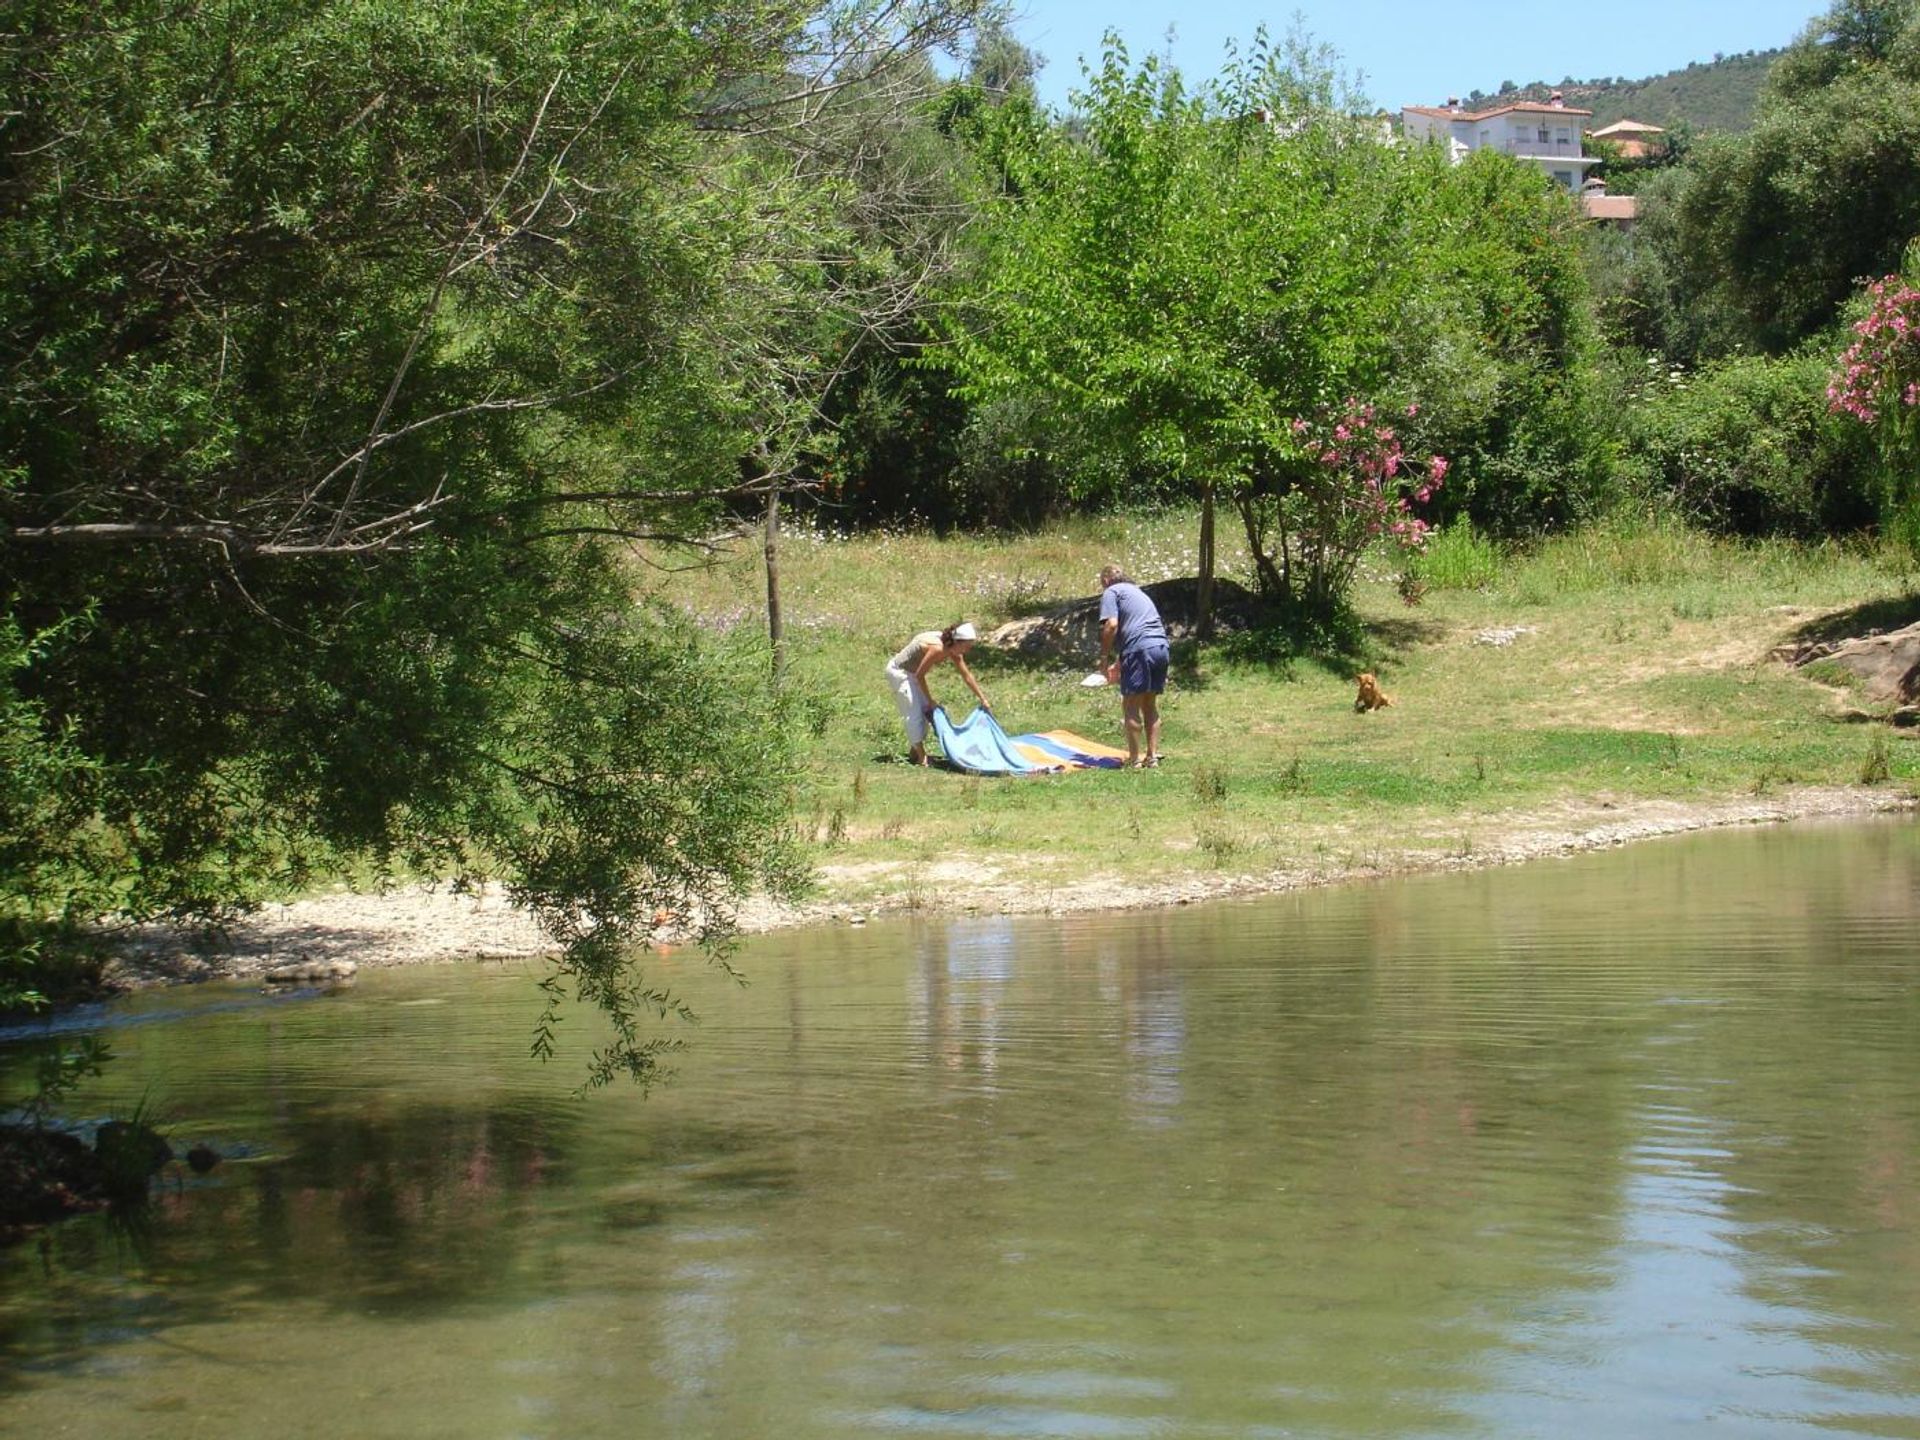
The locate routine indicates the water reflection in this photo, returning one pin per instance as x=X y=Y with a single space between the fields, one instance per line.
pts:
x=1614 y=1148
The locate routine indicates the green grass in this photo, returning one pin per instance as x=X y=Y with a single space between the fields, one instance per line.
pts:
x=1637 y=671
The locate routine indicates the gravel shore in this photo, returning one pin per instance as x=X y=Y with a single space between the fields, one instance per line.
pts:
x=422 y=925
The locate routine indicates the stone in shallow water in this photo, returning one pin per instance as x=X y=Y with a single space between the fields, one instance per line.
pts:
x=311 y=972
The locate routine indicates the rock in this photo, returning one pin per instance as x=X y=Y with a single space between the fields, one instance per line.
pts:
x=1885 y=666
x=130 y=1155
x=1072 y=631
x=311 y=972
x=1502 y=635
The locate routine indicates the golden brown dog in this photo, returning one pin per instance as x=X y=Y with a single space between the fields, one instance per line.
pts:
x=1371 y=696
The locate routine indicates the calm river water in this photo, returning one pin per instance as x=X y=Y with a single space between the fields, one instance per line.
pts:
x=1613 y=1146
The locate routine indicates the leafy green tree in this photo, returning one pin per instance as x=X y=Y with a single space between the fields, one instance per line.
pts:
x=1192 y=272
x=1496 y=341
x=1746 y=446
x=347 y=350
x=901 y=443
x=1775 y=226
x=1185 y=271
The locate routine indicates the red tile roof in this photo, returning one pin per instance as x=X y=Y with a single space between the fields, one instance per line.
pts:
x=1530 y=107
x=1611 y=207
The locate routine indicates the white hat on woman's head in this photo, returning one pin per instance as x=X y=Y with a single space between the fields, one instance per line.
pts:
x=965 y=631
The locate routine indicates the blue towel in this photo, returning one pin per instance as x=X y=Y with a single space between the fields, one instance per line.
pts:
x=979 y=745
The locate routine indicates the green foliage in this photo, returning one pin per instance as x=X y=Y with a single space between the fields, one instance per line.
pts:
x=1776 y=226
x=1500 y=348
x=1184 y=273
x=1457 y=557
x=1132 y=273
x=59 y=865
x=58 y=1072
x=1876 y=767
x=1627 y=174
x=905 y=447
x=347 y=349
x=1748 y=446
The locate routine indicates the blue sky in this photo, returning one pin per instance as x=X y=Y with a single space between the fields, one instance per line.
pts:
x=1419 y=53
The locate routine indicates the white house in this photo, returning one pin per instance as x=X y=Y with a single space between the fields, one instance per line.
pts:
x=1548 y=135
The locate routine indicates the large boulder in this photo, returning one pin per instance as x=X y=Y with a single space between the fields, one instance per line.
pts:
x=1886 y=667
x=1072 y=631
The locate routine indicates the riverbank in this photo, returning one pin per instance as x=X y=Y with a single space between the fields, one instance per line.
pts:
x=422 y=925
x=1626 y=682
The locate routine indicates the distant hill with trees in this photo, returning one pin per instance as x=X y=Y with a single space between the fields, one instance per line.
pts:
x=1711 y=95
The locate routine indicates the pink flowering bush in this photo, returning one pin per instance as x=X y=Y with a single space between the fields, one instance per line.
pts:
x=1879 y=374
x=1878 y=384
x=1351 y=485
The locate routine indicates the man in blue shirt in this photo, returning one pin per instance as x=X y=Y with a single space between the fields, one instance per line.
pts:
x=1130 y=627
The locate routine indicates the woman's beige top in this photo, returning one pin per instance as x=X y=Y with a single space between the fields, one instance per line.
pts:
x=909 y=658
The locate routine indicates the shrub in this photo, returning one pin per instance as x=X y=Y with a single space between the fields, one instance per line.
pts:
x=1747 y=446
x=1878 y=385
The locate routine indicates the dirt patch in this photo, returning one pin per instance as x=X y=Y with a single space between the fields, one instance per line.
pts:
x=419 y=926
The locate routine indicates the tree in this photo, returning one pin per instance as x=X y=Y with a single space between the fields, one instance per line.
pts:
x=1496 y=341
x=347 y=352
x=1191 y=270
x=892 y=428
x=1203 y=270
x=1775 y=226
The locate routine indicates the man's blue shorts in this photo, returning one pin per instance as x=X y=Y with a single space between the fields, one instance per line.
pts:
x=1144 y=671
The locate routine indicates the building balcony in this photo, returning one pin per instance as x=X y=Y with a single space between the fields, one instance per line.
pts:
x=1545 y=149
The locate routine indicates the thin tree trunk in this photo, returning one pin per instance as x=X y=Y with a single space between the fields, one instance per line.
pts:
x=776 y=627
x=1272 y=586
x=1204 y=602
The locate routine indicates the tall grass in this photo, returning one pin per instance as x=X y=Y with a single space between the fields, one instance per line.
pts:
x=1655 y=549
x=1458 y=557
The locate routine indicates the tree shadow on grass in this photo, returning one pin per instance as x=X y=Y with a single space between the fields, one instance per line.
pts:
x=1875 y=616
x=1340 y=645
x=1390 y=640
x=1248 y=632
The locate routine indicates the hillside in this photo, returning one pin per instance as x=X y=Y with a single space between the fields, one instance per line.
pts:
x=1709 y=95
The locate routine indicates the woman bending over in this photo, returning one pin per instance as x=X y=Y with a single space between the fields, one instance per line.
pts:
x=907 y=678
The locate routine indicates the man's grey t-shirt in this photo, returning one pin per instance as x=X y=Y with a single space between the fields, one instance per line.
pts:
x=1139 y=618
